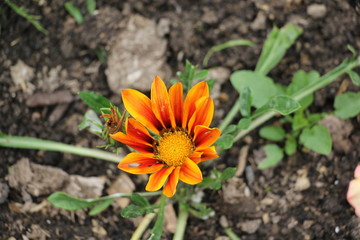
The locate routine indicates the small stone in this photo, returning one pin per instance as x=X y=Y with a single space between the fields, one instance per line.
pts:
x=4 y=192
x=85 y=187
x=170 y=219
x=302 y=183
x=260 y=22
x=316 y=10
x=224 y=222
x=250 y=226
x=266 y=218
x=22 y=74
x=137 y=55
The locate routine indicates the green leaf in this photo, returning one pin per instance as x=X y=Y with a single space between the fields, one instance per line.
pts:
x=228 y=173
x=274 y=154
x=92 y=122
x=133 y=211
x=139 y=200
x=272 y=133
x=210 y=83
x=101 y=207
x=214 y=182
x=157 y=230
x=201 y=75
x=262 y=87
x=351 y=49
x=300 y=81
x=244 y=123
x=65 y=201
x=225 y=141
x=290 y=146
x=33 y=19
x=299 y=121
x=220 y=47
x=95 y=100
x=245 y=102
x=90 y=6
x=347 y=105
x=230 y=129
x=202 y=211
x=275 y=47
x=355 y=78
x=282 y=104
x=74 y=12
x=317 y=139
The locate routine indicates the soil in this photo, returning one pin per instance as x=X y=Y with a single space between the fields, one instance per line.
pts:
x=304 y=197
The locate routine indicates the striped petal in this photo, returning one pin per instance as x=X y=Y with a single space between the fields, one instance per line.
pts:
x=158 y=179
x=139 y=146
x=170 y=187
x=196 y=157
x=160 y=103
x=139 y=106
x=190 y=172
x=176 y=100
x=205 y=137
x=198 y=91
x=208 y=153
x=139 y=132
x=138 y=163
x=204 y=112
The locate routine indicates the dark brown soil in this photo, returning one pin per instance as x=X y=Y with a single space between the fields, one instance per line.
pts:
x=318 y=212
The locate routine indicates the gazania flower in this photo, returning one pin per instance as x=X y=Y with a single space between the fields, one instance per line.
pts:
x=180 y=135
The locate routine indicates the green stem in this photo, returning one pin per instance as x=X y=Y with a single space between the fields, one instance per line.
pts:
x=323 y=81
x=231 y=234
x=230 y=116
x=39 y=144
x=143 y=226
x=181 y=222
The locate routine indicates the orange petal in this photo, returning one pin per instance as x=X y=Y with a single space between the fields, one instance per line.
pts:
x=353 y=195
x=176 y=100
x=204 y=112
x=139 y=106
x=134 y=143
x=137 y=130
x=170 y=187
x=160 y=103
x=196 y=156
x=209 y=153
x=205 y=137
x=198 y=91
x=190 y=172
x=139 y=163
x=157 y=180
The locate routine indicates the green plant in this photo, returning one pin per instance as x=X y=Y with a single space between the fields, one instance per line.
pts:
x=76 y=12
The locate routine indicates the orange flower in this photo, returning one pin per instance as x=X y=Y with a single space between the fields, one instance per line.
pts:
x=180 y=139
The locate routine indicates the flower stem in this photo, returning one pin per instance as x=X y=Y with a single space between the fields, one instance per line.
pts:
x=143 y=226
x=230 y=116
x=181 y=222
x=40 y=144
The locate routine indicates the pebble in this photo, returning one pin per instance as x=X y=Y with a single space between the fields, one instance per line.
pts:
x=316 y=10
x=4 y=192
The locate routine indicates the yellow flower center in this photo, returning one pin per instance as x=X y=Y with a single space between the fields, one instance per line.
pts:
x=174 y=147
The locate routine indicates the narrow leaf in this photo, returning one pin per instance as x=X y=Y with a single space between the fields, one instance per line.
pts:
x=157 y=230
x=282 y=104
x=139 y=200
x=274 y=154
x=275 y=47
x=355 y=78
x=65 y=201
x=245 y=102
x=244 y=123
x=74 y=12
x=132 y=211
x=290 y=146
x=90 y=6
x=228 y=173
x=101 y=207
